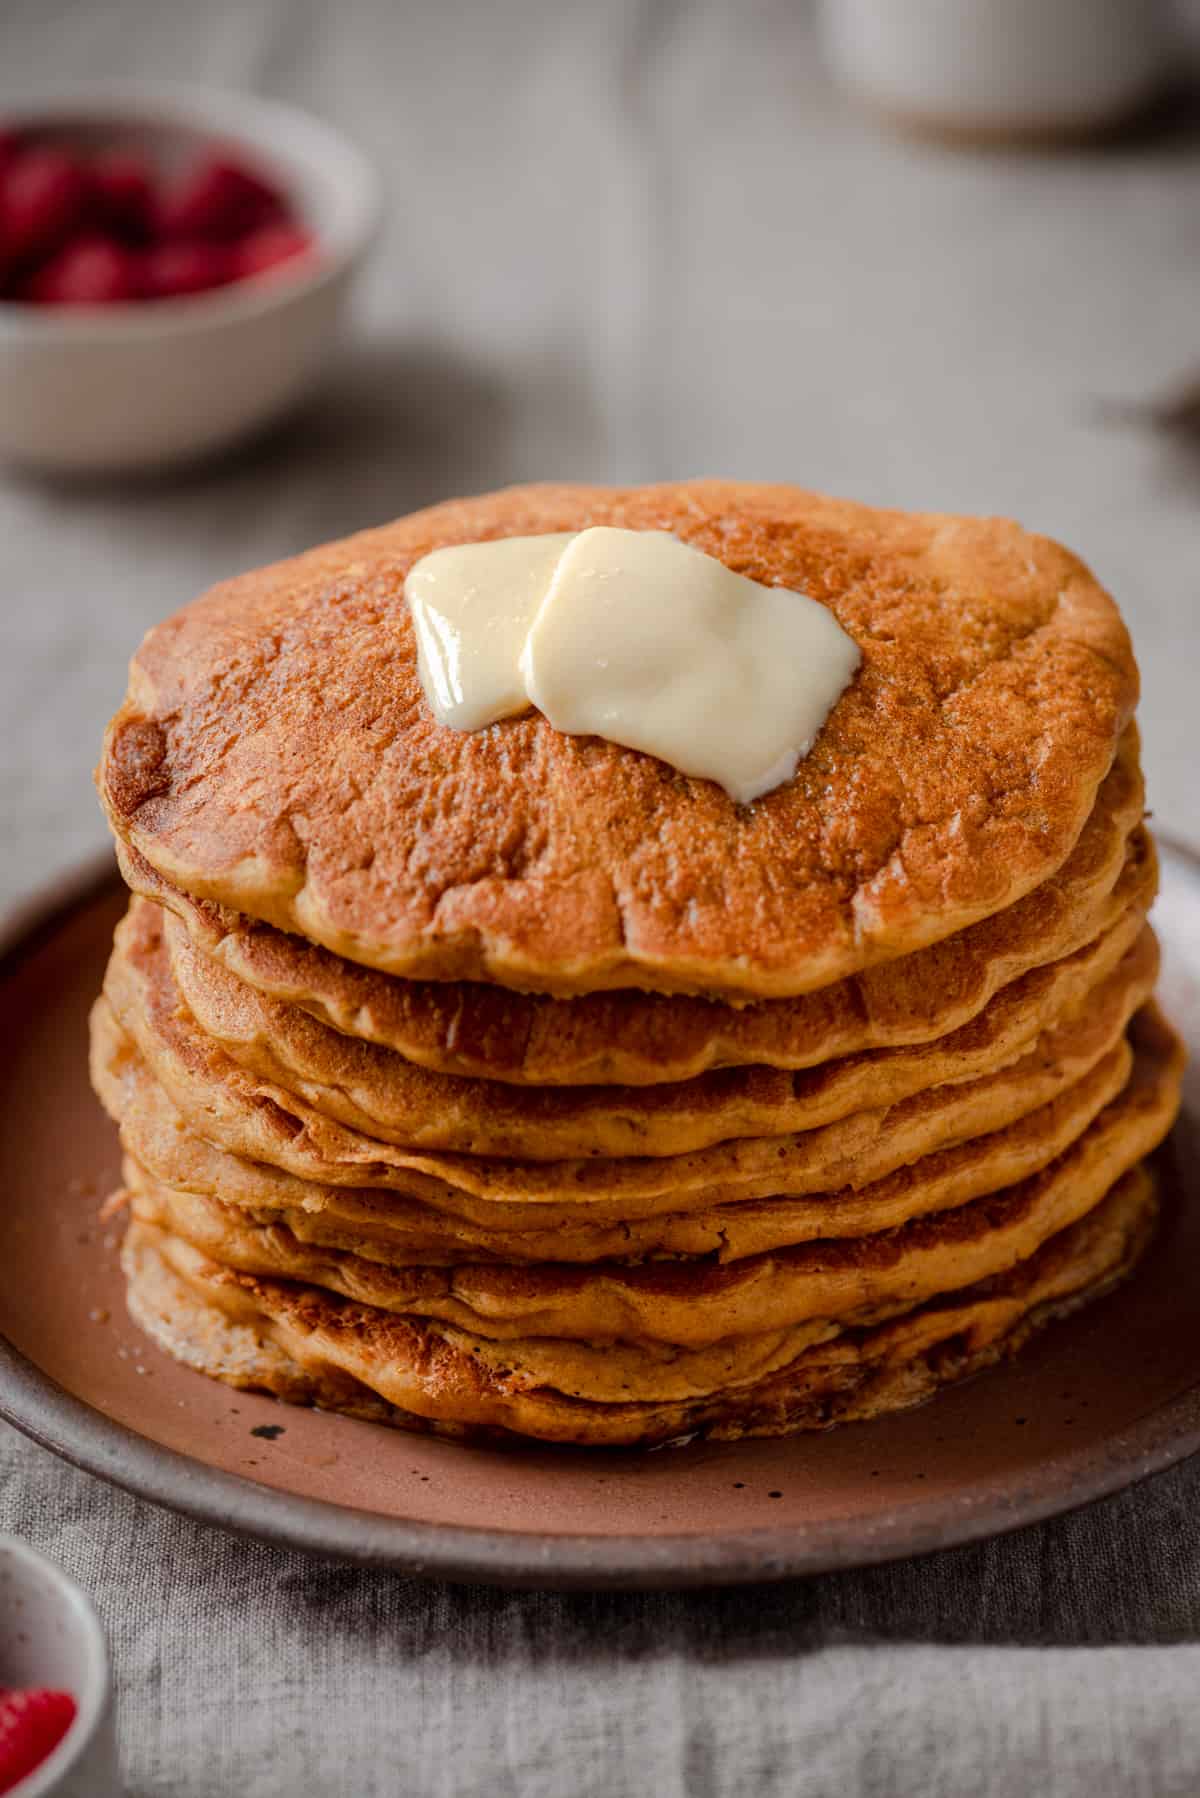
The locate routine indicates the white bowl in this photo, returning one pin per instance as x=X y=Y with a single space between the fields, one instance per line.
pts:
x=142 y=386
x=1001 y=68
x=49 y=1636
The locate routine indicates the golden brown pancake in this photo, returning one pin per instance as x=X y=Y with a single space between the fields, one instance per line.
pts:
x=637 y=1038
x=376 y=1094
x=169 y=1162
x=275 y=754
x=258 y=1119
x=312 y=1347
x=697 y=1304
x=376 y=1091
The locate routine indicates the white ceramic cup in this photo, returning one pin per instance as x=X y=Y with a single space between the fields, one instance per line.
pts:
x=50 y=1637
x=1000 y=67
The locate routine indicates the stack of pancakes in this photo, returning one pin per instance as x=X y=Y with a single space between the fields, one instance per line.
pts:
x=510 y=1082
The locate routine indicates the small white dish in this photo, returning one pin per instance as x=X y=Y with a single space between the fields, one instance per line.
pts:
x=1001 y=68
x=139 y=387
x=50 y=1637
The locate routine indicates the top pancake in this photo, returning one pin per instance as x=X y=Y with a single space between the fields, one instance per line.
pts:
x=275 y=754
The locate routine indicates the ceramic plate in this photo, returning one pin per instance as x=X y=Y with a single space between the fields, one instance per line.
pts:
x=1094 y=1403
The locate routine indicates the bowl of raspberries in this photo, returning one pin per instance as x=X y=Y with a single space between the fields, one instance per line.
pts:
x=174 y=266
x=56 y=1713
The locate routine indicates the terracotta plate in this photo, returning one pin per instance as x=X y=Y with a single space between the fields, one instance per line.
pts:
x=1095 y=1403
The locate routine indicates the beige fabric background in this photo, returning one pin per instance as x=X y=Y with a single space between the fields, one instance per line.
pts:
x=633 y=238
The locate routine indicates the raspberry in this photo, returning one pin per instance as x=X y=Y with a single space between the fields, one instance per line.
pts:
x=264 y=250
x=170 y=269
x=123 y=189
x=219 y=200
x=43 y=196
x=32 y=1724
x=90 y=271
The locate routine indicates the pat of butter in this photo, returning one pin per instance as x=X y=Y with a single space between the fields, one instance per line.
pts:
x=472 y=605
x=633 y=636
x=655 y=645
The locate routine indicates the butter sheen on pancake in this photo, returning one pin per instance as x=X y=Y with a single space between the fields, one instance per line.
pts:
x=275 y=754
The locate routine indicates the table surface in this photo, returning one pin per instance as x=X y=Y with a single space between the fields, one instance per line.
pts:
x=629 y=241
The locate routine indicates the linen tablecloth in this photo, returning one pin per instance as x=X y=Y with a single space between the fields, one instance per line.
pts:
x=630 y=240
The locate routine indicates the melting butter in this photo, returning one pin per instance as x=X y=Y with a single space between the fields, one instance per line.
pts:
x=472 y=606
x=633 y=636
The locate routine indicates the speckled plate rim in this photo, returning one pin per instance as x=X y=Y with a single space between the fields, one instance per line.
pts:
x=73 y=1430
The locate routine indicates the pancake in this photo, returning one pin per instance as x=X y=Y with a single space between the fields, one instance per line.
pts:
x=312 y=1347
x=275 y=755
x=602 y=1372
x=635 y=1038
x=697 y=1304
x=375 y=1094
x=262 y=1122
x=172 y=1166
x=376 y=1091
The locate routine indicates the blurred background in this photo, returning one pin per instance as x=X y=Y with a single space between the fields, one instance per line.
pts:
x=624 y=240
